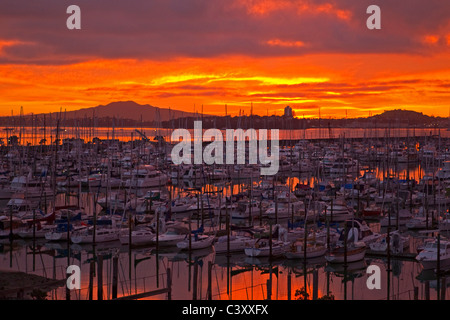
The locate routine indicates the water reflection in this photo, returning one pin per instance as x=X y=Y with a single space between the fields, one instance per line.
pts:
x=88 y=133
x=230 y=277
x=203 y=274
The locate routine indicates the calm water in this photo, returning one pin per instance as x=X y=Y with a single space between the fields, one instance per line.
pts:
x=34 y=136
x=240 y=277
x=237 y=277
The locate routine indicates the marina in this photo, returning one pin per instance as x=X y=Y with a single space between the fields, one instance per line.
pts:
x=224 y=158
x=140 y=227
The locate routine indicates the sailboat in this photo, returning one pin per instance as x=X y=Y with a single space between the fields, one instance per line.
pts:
x=339 y=211
x=143 y=235
x=145 y=176
x=428 y=257
x=262 y=248
x=314 y=249
x=198 y=241
x=175 y=233
x=355 y=252
x=236 y=242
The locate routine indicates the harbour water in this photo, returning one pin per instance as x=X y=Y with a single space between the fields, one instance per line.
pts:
x=240 y=278
x=112 y=269
x=35 y=135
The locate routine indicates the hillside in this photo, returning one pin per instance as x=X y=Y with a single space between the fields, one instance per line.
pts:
x=125 y=113
x=128 y=110
x=404 y=115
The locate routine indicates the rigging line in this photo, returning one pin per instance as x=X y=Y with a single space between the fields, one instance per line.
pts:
x=43 y=266
x=124 y=277
x=217 y=281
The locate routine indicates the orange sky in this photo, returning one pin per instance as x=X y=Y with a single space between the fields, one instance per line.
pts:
x=264 y=64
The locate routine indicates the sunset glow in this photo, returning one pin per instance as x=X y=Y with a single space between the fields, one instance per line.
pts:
x=266 y=54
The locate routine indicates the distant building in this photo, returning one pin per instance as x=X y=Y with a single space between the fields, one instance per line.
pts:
x=288 y=113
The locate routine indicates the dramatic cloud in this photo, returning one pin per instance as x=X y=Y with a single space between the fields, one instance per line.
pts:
x=159 y=29
x=183 y=53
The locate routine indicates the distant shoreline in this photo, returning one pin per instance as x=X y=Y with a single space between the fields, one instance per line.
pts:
x=392 y=119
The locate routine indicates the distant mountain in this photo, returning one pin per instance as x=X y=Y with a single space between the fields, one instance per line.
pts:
x=404 y=115
x=128 y=110
x=120 y=113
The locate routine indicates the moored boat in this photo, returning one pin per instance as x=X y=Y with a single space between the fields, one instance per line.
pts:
x=429 y=256
x=262 y=248
x=338 y=212
x=355 y=252
x=102 y=234
x=197 y=241
x=61 y=232
x=313 y=250
x=236 y=243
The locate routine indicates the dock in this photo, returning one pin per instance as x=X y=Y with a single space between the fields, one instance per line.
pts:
x=408 y=256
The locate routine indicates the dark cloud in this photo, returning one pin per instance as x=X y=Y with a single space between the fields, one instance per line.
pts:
x=161 y=29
